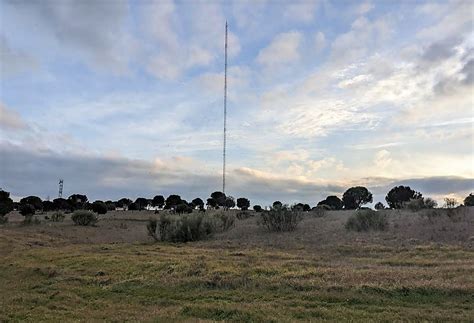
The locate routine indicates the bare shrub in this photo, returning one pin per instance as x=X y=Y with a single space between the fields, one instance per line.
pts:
x=365 y=220
x=83 y=217
x=280 y=218
x=242 y=215
x=414 y=205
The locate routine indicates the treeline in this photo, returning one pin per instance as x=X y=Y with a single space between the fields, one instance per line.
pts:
x=353 y=198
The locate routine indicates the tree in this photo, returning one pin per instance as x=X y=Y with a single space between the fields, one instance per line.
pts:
x=123 y=203
x=257 y=208
x=333 y=202
x=355 y=197
x=429 y=203
x=469 y=200
x=34 y=201
x=172 y=201
x=27 y=210
x=379 y=206
x=277 y=204
x=61 y=204
x=197 y=202
x=211 y=203
x=77 y=201
x=110 y=205
x=243 y=203
x=132 y=207
x=158 y=201
x=99 y=207
x=398 y=195
x=306 y=208
x=229 y=202
x=6 y=203
x=48 y=206
x=220 y=198
x=141 y=203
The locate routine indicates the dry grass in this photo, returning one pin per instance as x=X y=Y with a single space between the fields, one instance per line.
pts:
x=51 y=272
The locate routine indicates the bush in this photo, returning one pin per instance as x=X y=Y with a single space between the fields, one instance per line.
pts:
x=3 y=219
x=379 y=206
x=320 y=210
x=57 y=217
x=99 y=207
x=189 y=227
x=82 y=217
x=183 y=208
x=365 y=220
x=280 y=218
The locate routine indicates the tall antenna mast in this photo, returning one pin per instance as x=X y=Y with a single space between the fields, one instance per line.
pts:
x=225 y=112
x=61 y=183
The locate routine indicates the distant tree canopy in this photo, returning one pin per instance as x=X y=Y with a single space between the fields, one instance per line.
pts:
x=158 y=201
x=48 y=206
x=333 y=202
x=172 y=201
x=141 y=203
x=27 y=209
x=355 y=197
x=99 y=207
x=132 y=207
x=257 y=208
x=211 y=203
x=61 y=204
x=229 y=202
x=77 y=201
x=469 y=200
x=277 y=204
x=34 y=201
x=123 y=202
x=220 y=198
x=243 y=203
x=110 y=205
x=379 y=206
x=198 y=203
x=399 y=195
x=6 y=203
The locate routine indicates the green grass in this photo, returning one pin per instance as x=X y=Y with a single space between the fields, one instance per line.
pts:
x=57 y=281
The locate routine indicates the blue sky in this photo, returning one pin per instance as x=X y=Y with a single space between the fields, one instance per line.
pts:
x=124 y=98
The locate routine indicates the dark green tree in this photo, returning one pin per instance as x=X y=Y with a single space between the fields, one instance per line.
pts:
x=158 y=201
x=172 y=201
x=141 y=203
x=99 y=207
x=469 y=200
x=243 y=203
x=6 y=203
x=34 y=201
x=399 y=195
x=355 y=197
x=333 y=202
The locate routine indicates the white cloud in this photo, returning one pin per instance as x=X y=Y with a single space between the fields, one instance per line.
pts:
x=283 y=49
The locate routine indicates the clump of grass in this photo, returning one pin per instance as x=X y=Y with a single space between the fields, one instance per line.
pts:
x=189 y=227
x=83 y=217
x=280 y=218
x=365 y=220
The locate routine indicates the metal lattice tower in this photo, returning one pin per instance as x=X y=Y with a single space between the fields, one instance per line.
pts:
x=61 y=183
x=225 y=113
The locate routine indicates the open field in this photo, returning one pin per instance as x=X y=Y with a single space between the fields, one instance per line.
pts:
x=419 y=269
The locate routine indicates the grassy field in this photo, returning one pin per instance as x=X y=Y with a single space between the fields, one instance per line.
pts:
x=246 y=274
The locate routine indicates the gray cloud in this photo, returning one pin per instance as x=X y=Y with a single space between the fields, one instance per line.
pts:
x=24 y=172
x=93 y=28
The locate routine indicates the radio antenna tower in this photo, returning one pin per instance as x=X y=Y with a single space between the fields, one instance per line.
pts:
x=61 y=183
x=225 y=112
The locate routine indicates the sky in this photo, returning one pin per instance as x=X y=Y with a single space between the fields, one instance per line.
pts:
x=125 y=98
